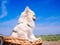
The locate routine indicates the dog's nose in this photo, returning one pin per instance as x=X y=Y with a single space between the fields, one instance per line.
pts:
x=34 y=18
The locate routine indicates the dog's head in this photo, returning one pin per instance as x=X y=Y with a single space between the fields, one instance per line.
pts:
x=28 y=13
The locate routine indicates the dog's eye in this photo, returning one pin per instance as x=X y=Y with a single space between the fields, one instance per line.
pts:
x=33 y=15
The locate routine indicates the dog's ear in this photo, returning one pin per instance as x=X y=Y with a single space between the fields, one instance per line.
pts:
x=27 y=9
x=25 y=12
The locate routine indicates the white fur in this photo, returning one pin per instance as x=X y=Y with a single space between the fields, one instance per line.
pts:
x=22 y=28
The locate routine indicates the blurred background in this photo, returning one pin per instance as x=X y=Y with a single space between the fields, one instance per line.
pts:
x=47 y=15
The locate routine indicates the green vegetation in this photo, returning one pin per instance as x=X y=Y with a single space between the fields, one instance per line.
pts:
x=50 y=37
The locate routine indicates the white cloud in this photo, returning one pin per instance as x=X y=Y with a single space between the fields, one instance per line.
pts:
x=3 y=8
x=52 y=18
x=48 y=27
x=7 y=27
x=48 y=19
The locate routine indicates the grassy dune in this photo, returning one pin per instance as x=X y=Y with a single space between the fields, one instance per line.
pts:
x=50 y=37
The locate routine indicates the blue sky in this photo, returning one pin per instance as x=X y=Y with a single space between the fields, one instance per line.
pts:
x=47 y=13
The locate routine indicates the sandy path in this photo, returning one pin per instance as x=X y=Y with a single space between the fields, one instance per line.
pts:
x=51 y=43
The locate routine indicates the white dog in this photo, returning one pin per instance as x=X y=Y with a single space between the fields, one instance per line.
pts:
x=25 y=26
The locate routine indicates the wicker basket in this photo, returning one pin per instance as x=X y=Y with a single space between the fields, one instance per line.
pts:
x=8 y=40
